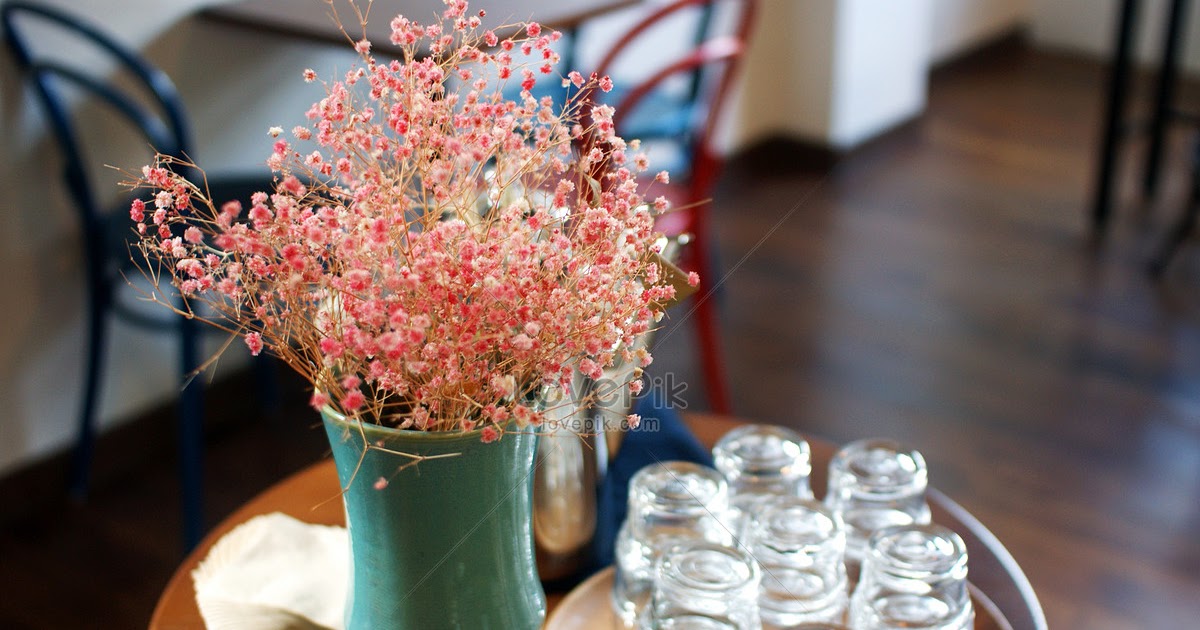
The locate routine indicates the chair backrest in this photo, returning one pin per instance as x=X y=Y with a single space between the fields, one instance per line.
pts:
x=709 y=66
x=163 y=123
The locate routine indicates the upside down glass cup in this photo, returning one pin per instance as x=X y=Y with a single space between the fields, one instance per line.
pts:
x=799 y=544
x=669 y=503
x=761 y=463
x=874 y=484
x=913 y=577
x=704 y=586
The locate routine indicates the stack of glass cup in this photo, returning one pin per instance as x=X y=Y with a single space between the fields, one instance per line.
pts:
x=761 y=463
x=704 y=586
x=669 y=503
x=745 y=546
x=913 y=576
x=800 y=545
x=875 y=484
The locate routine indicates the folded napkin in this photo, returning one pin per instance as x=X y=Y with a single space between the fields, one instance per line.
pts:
x=274 y=572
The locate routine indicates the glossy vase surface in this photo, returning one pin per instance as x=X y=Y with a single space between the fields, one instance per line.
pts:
x=446 y=543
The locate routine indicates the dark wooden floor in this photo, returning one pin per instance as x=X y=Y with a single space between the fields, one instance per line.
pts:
x=936 y=287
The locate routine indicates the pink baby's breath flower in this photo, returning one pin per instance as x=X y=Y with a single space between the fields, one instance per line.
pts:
x=254 y=342
x=353 y=400
x=137 y=210
x=663 y=177
x=633 y=420
x=591 y=369
x=409 y=285
x=381 y=483
x=191 y=267
x=693 y=278
x=522 y=342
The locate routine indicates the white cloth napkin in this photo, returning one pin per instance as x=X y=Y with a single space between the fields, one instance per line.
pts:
x=274 y=572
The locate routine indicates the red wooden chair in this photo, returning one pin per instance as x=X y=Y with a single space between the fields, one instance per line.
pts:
x=710 y=65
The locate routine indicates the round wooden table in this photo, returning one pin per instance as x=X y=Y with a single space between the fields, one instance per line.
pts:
x=311 y=495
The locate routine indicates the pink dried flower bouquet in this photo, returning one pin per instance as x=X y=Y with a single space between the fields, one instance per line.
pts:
x=433 y=255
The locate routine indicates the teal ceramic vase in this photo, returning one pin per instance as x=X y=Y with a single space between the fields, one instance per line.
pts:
x=448 y=543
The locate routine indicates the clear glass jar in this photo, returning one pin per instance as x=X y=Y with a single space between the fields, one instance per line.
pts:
x=913 y=577
x=669 y=503
x=800 y=544
x=875 y=484
x=762 y=462
x=700 y=585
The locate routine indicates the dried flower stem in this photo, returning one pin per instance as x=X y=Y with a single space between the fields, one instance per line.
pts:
x=433 y=254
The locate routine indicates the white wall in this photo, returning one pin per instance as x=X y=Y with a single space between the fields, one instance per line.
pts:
x=786 y=77
x=881 y=67
x=833 y=72
x=1088 y=26
x=959 y=25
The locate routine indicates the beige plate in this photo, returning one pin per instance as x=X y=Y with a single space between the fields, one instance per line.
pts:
x=589 y=607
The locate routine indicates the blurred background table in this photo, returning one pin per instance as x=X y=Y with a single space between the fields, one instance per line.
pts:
x=311 y=18
x=312 y=496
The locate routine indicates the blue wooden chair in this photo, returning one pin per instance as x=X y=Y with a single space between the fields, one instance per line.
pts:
x=152 y=106
x=682 y=101
x=665 y=115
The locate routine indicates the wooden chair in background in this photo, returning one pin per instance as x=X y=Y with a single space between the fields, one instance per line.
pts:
x=144 y=98
x=681 y=101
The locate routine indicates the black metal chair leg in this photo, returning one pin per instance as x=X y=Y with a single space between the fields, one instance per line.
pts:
x=1168 y=75
x=266 y=375
x=191 y=436
x=85 y=441
x=1186 y=224
x=1118 y=84
x=1178 y=235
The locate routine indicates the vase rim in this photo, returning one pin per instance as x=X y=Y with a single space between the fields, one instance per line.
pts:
x=338 y=417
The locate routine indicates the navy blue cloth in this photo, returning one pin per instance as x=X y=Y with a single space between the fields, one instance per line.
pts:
x=661 y=437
